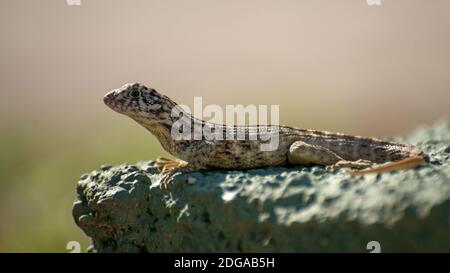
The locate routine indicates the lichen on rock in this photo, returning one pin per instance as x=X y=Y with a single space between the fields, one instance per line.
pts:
x=298 y=209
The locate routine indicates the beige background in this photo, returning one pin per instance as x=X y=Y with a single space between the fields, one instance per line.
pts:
x=334 y=65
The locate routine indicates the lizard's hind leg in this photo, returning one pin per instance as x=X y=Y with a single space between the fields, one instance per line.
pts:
x=301 y=153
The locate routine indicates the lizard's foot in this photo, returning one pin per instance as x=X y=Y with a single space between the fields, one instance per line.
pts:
x=358 y=164
x=165 y=164
x=168 y=175
x=406 y=163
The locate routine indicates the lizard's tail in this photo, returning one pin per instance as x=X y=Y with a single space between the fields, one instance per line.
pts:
x=407 y=163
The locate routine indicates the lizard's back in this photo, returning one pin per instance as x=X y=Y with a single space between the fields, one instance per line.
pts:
x=355 y=147
x=243 y=154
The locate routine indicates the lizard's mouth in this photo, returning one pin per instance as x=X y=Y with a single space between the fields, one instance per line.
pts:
x=109 y=97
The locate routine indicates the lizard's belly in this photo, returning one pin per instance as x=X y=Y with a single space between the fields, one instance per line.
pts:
x=246 y=155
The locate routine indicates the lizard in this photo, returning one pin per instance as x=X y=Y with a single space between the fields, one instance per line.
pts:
x=152 y=110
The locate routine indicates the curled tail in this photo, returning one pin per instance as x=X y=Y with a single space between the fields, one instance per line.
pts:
x=406 y=163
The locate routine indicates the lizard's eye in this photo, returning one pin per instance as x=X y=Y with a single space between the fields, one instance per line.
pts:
x=135 y=93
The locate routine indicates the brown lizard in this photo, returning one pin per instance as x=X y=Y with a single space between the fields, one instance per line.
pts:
x=296 y=146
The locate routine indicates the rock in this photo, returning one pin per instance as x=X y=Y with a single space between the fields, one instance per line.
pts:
x=298 y=209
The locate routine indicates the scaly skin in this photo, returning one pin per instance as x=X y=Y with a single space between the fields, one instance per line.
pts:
x=296 y=146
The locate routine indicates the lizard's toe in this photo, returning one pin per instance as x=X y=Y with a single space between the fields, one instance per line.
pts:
x=165 y=181
x=164 y=164
x=167 y=177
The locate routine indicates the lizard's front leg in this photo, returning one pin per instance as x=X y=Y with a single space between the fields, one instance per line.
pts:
x=301 y=153
x=199 y=154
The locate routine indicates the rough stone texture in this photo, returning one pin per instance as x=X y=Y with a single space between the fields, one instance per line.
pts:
x=299 y=209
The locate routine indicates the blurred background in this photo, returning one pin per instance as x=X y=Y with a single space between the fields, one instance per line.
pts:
x=334 y=65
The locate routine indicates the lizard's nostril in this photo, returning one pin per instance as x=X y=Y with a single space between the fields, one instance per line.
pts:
x=109 y=97
x=106 y=98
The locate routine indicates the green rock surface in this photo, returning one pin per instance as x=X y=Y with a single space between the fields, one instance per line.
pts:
x=298 y=209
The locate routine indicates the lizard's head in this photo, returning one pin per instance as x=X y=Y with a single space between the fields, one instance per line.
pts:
x=139 y=102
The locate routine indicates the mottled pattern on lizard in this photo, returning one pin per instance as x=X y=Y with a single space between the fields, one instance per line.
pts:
x=297 y=146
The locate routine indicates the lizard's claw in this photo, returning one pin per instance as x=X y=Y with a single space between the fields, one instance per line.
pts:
x=167 y=177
